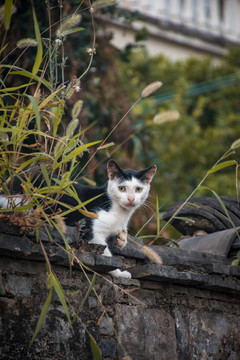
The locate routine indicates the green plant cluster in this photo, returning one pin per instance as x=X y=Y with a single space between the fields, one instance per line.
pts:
x=35 y=138
x=206 y=96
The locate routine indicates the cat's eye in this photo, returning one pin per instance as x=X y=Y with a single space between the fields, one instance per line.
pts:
x=138 y=189
x=122 y=188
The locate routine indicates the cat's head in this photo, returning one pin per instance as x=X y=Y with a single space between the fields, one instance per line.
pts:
x=129 y=188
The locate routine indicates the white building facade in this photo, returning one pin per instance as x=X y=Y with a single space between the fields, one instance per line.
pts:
x=180 y=28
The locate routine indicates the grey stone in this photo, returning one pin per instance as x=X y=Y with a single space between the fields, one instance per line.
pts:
x=131 y=249
x=174 y=256
x=218 y=243
x=14 y=245
x=106 y=263
x=87 y=258
x=19 y=285
x=126 y=282
x=71 y=235
x=192 y=278
x=154 y=272
x=181 y=333
x=92 y=302
x=106 y=326
x=9 y=229
x=108 y=347
x=137 y=328
x=2 y=287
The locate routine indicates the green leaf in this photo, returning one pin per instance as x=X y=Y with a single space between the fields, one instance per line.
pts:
x=89 y=290
x=193 y=205
x=158 y=217
x=30 y=161
x=235 y=262
x=32 y=76
x=202 y=187
x=221 y=166
x=58 y=112
x=175 y=242
x=106 y=146
x=225 y=210
x=3 y=48
x=45 y=174
x=76 y=152
x=49 y=98
x=42 y=315
x=59 y=291
x=7 y=13
x=35 y=109
x=184 y=219
x=38 y=58
x=14 y=88
x=86 y=296
x=223 y=206
x=95 y=349
x=73 y=30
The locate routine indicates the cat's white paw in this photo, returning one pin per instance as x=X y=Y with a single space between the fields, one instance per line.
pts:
x=107 y=252
x=121 y=239
x=121 y=274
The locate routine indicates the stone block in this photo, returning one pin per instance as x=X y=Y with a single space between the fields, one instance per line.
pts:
x=106 y=326
x=106 y=263
x=19 y=285
x=87 y=258
x=154 y=272
x=144 y=333
x=15 y=246
x=108 y=348
x=2 y=287
x=132 y=249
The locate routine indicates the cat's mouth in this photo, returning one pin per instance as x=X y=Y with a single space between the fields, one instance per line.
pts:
x=130 y=205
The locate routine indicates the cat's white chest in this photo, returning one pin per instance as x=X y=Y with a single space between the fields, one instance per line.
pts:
x=110 y=222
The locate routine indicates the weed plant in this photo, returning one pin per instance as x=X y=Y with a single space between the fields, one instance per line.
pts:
x=39 y=151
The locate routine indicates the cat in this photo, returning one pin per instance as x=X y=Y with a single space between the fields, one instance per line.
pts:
x=124 y=192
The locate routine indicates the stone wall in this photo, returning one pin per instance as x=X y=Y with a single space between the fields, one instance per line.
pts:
x=186 y=308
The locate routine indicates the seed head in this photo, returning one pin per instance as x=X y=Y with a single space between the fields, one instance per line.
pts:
x=72 y=127
x=151 y=88
x=23 y=43
x=73 y=87
x=166 y=116
x=77 y=108
x=152 y=255
x=61 y=223
x=235 y=144
x=68 y=24
x=102 y=3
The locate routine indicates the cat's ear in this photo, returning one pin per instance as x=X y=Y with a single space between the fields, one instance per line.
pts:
x=114 y=171
x=148 y=174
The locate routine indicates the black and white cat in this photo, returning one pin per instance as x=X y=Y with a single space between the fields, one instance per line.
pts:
x=124 y=192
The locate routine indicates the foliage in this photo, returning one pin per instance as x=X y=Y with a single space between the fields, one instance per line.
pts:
x=35 y=138
x=39 y=134
x=206 y=97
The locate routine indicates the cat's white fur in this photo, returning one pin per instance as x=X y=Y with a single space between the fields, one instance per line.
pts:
x=115 y=220
x=14 y=201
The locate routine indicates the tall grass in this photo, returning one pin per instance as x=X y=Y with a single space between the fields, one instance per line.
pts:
x=35 y=137
x=40 y=149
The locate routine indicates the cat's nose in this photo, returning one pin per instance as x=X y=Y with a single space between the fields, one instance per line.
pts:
x=131 y=199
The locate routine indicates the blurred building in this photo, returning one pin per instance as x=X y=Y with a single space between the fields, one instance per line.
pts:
x=179 y=28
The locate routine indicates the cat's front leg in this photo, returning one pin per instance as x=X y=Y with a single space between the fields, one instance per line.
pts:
x=121 y=239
